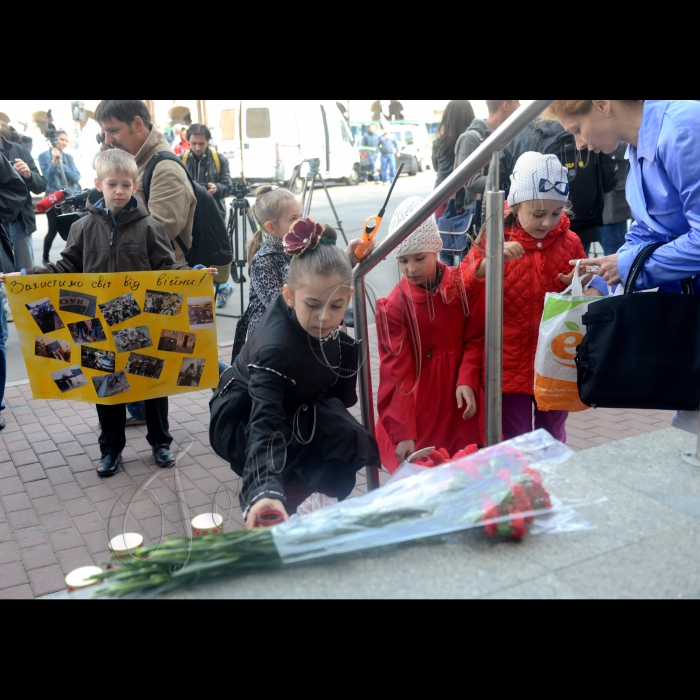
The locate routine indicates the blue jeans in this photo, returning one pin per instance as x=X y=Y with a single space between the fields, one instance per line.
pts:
x=612 y=237
x=3 y=361
x=22 y=243
x=388 y=165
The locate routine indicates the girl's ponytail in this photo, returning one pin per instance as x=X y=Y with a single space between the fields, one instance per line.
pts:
x=254 y=245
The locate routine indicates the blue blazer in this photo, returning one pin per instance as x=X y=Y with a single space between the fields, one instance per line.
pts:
x=663 y=190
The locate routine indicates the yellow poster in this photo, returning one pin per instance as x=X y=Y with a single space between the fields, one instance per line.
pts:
x=116 y=338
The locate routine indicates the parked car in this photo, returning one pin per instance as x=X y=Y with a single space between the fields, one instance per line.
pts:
x=278 y=135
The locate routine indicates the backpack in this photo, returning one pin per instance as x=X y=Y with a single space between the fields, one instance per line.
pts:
x=210 y=241
x=214 y=156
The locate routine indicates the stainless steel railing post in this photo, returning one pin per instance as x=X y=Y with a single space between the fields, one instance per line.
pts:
x=494 y=309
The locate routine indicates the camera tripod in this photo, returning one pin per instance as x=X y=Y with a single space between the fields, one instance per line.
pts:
x=240 y=217
x=307 y=193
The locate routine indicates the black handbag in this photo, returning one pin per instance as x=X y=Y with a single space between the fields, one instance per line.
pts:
x=642 y=350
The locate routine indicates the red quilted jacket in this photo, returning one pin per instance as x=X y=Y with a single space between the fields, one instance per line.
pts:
x=526 y=282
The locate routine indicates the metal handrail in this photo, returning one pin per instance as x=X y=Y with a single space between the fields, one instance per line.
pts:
x=503 y=136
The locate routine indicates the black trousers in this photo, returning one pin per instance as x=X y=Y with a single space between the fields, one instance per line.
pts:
x=113 y=422
x=51 y=216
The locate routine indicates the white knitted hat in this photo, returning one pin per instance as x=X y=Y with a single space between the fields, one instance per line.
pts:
x=538 y=176
x=425 y=239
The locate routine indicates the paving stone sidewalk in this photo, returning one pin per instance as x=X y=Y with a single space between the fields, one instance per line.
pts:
x=56 y=514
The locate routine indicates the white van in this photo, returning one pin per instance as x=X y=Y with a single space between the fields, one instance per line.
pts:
x=279 y=134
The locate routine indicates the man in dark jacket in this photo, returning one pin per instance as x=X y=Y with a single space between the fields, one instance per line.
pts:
x=13 y=194
x=617 y=211
x=25 y=224
x=208 y=167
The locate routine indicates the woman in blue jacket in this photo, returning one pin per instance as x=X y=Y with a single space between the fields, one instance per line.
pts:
x=663 y=187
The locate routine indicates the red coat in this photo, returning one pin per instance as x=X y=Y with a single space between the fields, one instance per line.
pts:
x=417 y=400
x=526 y=283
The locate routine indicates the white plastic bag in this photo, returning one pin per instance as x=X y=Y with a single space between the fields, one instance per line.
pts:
x=561 y=332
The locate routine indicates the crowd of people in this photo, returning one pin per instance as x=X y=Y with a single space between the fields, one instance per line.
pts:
x=280 y=414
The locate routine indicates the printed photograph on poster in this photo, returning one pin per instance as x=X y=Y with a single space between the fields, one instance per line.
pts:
x=52 y=349
x=144 y=366
x=69 y=379
x=120 y=309
x=177 y=341
x=201 y=312
x=132 y=339
x=77 y=303
x=87 y=332
x=111 y=385
x=191 y=372
x=44 y=313
x=100 y=360
x=163 y=303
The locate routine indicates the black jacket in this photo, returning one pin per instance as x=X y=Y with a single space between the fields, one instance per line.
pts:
x=282 y=386
x=204 y=171
x=13 y=195
x=36 y=184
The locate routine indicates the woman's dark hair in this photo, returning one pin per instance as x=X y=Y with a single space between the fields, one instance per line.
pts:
x=458 y=116
x=199 y=130
x=123 y=111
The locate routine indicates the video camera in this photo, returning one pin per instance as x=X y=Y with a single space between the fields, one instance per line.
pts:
x=242 y=189
x=70 y=207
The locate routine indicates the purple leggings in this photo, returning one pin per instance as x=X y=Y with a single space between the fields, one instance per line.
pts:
x=518 y=418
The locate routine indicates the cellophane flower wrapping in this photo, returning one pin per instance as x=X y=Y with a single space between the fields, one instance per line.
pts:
x=501 y=489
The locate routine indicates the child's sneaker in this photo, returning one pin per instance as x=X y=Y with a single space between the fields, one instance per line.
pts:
x=132 y=422
x=225 y=291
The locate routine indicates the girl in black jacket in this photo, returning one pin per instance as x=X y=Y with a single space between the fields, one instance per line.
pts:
x=280 y=415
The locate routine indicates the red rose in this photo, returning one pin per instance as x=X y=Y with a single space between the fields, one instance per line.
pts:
x=491 y=512
x=518 y=529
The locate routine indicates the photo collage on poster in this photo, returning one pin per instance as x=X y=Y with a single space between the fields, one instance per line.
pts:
x=136 y=341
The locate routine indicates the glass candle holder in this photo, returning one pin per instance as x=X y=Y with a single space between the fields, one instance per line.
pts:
x=208 y=524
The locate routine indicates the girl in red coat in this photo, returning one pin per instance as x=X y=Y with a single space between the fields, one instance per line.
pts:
x=538 y=248
x=431 y=346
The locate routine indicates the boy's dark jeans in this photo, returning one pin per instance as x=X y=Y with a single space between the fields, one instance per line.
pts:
x=113 y=422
